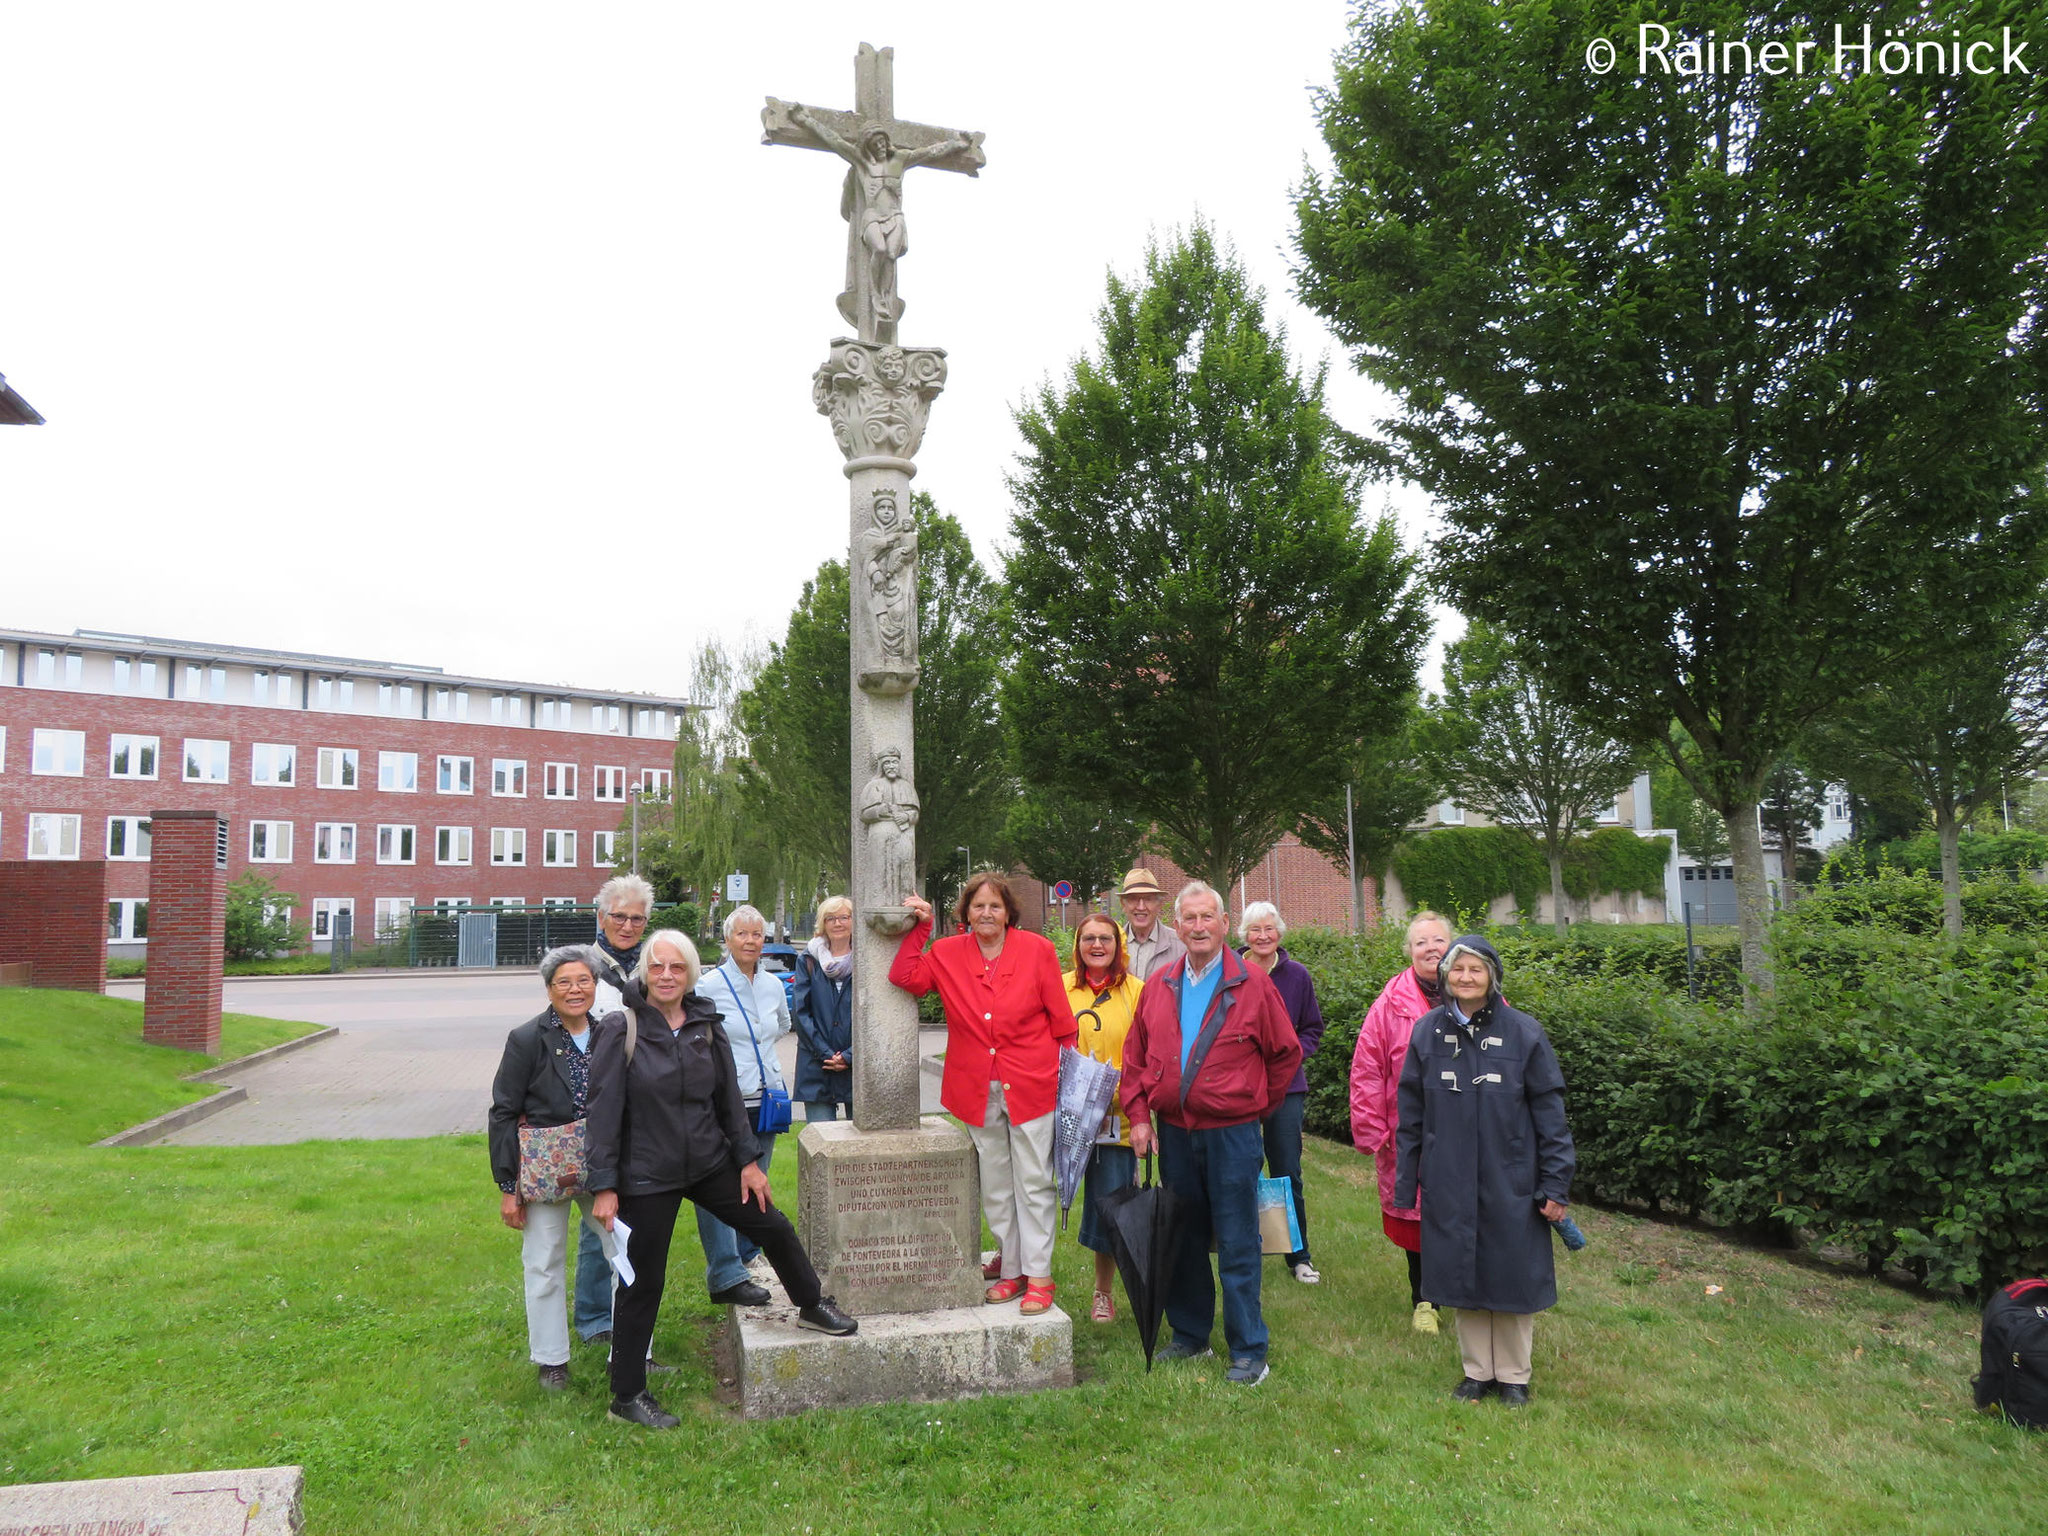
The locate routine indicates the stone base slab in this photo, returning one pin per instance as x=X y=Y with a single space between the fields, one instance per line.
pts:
x=259 y=1501
x=777 y=1368
x=891 y=1219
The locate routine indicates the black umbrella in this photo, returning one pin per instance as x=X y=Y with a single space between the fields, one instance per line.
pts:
x=1144 y=1222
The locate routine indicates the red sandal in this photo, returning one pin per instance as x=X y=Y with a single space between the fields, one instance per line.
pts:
x=1037 y=1299
x=1004 y=1290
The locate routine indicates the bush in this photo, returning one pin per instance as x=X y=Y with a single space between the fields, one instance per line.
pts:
x=259 y=919
x=1909 y=901
x=1462 y=869
x=2014 y=852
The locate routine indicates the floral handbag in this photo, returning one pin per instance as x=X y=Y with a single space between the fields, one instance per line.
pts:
x=552 y=1165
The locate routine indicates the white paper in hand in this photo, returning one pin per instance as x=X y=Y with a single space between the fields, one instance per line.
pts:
x=615 y=1249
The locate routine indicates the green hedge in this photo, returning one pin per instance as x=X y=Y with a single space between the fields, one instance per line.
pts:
x=2014 y=852
x=1909 y=901
x=1462 y=869
x=1893 y=1098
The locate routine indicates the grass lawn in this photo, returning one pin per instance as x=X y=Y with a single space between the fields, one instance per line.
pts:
x=355 y=1307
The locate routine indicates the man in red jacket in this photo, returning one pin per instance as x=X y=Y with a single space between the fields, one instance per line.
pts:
x=1209 y=1056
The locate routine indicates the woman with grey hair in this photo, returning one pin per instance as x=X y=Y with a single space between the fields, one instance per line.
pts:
x=667 y=1125
x=624 y=904
x=1262 y=928
x=544 y=1080
x=753 y=1009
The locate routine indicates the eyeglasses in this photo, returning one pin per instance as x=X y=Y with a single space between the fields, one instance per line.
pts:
x=624 y=921
x=660 y=969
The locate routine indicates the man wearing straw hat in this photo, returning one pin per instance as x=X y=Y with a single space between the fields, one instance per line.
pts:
x=1150 y=945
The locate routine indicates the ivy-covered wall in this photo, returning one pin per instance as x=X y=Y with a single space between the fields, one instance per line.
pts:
x=1462 y=869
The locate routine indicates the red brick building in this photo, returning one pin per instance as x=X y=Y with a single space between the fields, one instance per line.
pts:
x=359 y=786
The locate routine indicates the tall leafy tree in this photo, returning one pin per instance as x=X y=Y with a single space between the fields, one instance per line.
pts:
x=1731 y=387
x=1392 y=787
x=1513 y=749
x=1956 y=733
x=1058 y=836
x=798 y=717
x=1202 y=622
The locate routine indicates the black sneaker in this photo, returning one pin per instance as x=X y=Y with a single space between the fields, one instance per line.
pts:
x=825 y=1316
x=745 y=1294
x=644 y=1411
x=1514 y=1394
x=1470 y=1391
x=1175 y=1349
x=554 y=1378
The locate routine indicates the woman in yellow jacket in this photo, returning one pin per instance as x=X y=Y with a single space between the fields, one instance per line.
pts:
x=1104 y=996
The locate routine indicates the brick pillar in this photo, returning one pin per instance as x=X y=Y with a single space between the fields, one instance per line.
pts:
x=188 y=887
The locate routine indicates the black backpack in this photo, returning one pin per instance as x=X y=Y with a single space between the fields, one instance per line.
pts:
x=2015 y=1354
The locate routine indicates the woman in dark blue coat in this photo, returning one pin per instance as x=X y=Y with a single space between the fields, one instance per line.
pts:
x=1482 y=1128
x=821 y=1007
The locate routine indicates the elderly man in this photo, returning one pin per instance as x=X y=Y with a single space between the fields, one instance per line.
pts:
x=1209 y=1055
x=622 y=907
x=1151 y=946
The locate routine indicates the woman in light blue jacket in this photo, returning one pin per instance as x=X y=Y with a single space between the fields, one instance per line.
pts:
x=754 y=1008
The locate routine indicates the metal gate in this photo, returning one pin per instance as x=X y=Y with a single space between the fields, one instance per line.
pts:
x=477 y=941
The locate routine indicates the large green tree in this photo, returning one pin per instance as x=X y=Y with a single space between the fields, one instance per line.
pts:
x=1732 y=388
x=1957 y=732
x=1058 y=836
x=1203 y=623
x=797 y=715
x=1513 y=749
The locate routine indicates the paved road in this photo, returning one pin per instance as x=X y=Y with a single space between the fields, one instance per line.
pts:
x=415 y=1056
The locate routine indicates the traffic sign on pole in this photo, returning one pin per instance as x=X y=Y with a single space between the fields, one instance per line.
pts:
x=1063 y=890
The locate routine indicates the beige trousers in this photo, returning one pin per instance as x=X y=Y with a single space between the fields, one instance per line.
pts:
x=1019 y=1194
x=1496 y=1345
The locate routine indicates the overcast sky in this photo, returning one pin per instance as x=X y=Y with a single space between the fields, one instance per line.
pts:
x=481 y=335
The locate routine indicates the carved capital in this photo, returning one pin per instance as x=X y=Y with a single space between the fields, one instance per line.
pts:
x=878 y=396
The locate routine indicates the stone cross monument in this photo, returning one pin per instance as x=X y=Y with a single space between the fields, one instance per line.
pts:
x=889 y=1206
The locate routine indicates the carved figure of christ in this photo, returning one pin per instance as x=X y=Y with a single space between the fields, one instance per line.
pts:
x=878 y=150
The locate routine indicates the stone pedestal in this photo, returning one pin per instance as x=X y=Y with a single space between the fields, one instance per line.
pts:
x=891 y=1219
x=776 y=1367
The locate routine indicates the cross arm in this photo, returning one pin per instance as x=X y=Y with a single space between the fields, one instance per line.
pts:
x=778 y=127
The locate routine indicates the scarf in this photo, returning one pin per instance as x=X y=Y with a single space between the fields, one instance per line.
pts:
x=1432 y=987
x=625 y=959
x=835 y=967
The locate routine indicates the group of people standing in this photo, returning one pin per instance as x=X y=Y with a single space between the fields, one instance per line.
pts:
x=1456 y=1096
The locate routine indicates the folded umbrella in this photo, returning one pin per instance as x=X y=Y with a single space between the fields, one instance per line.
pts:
x=1144 y=1222
x=1087 y=1089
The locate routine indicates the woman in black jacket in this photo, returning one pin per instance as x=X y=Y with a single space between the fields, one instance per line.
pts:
x=821 y=1006
x=667 y=1124
x=544 y=1080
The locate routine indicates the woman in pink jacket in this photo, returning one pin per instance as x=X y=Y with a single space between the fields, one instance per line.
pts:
x=1376 y=1079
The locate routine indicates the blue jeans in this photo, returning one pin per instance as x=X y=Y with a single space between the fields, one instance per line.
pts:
x=593 y=1286
x=726 y=1257
x=1217 y=1174
x=1283 y=1160
x=823 y=1109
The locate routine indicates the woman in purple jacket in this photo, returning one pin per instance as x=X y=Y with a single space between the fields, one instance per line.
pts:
x=1262 y=929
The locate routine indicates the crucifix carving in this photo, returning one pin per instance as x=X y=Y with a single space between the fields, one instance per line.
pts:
x=878 y=149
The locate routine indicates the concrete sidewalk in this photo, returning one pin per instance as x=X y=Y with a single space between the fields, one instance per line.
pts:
x=415 y=1056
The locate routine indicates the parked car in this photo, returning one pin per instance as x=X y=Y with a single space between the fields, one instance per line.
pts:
x=780 y=960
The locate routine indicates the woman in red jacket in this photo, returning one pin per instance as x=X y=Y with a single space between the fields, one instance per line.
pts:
x=1007 y=1016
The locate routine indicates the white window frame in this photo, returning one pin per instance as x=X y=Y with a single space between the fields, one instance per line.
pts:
x=274 y=764
x=393 y=915
x=397 y=843
x=398 y=773
x=57 y=754
x=508 y=847
x=58 y=830
x=508 y=901
x=560 y=901
x=218 y=767
x=125 y=915
x=333 y=764
x=137 y=748
x=445 y=904
x=270 y=842
x=1450 y=814
x=604 y=849
x=448 y=840
x=558 y=848
x=334 y=842
x=508 y=771
x=658 y=782
x=608 y=782
x=324 y=908
x=465 y=772
x=134 y=831
x=558 y=781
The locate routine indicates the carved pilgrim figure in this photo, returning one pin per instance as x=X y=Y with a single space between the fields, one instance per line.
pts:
x=888 y=809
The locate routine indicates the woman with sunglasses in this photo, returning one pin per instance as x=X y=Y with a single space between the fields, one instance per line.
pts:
x=1104 y=996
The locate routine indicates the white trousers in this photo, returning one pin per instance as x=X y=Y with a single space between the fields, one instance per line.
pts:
x=545 y=1253
x=1496 y=1345
x=1019 y=1194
